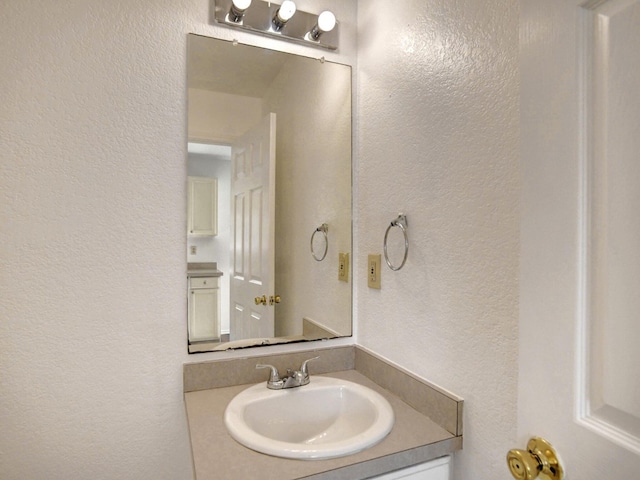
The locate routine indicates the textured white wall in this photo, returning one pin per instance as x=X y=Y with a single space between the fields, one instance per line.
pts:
x=92 y=221
x=92 y=215
x=438 y=140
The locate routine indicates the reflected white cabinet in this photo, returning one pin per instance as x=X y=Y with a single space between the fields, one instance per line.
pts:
x=439 y=469
x=204 y=309
x=202 y=206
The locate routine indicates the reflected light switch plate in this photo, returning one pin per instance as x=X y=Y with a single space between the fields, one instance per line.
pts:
x=343 y=267
x=373 y=271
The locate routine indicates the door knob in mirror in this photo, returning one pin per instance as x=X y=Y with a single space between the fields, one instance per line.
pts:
x=274 y=299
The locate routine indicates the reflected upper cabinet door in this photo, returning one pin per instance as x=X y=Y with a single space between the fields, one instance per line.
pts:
x=202 y=207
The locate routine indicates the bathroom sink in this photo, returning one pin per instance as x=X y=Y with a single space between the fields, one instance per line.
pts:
x=327 y=418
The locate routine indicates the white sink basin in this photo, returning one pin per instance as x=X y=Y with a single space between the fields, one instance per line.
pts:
x=327 y=418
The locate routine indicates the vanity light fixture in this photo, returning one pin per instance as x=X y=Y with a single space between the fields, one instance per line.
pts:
x=326 y=22
x=283 y=15
x=236 y=12
x=279 y=19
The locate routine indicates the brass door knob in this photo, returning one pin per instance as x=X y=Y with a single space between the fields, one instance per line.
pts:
x=539 y=457
x=274 y=299
x=261 y=300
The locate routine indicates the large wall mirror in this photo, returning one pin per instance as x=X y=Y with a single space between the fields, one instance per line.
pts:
x=269 y=234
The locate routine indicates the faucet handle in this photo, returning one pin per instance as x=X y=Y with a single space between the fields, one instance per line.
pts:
x=274 y=377
x=303 y=368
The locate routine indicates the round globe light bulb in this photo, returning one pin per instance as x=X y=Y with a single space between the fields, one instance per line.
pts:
x=287 y=10
x=242 y=4
x=326 y=21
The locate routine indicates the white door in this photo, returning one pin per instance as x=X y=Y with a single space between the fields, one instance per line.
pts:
x=252 y=225
x=579 y=367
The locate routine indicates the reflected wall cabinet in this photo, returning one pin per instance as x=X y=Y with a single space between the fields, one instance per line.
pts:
x=202 y=206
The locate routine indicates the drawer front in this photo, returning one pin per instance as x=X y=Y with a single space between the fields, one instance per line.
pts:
x=203 y=282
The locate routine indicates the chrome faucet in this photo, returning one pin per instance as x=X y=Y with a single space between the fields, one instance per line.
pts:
x=292 y=379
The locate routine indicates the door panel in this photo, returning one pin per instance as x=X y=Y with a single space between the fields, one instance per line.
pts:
x=256 y=235
x=238 y=253
x=580 y=267
x=609 y=393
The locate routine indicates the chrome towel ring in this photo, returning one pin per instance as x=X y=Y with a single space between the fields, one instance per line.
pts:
x=402 y=224
x=324 y=228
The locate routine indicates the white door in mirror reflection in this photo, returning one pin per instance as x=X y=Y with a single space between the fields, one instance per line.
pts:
x=253 y=163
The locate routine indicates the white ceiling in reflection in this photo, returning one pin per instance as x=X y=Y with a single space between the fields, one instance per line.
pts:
x=249 y=77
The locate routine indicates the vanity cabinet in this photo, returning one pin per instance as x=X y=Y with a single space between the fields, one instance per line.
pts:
x=439 y=469
x=204 y=309
x=202 y=206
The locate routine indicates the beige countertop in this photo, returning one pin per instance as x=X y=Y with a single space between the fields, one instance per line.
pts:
x=414 y=439
x=208 y=269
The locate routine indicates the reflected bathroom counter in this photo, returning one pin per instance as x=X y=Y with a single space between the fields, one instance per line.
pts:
x=208 y=269
x=310 y=331
x=247 y=343
x=415 y=437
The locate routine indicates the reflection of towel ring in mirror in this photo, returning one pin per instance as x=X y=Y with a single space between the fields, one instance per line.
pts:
x=324 y=228
x=402 y=223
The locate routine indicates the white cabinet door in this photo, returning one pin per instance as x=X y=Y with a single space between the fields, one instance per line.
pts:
x=438 y=469
x=204 y=309
x=202 y=207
